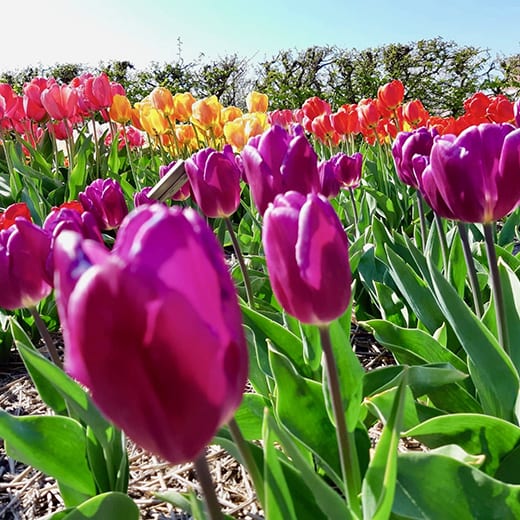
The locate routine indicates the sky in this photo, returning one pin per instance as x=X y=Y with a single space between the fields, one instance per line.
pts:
x=38 y=32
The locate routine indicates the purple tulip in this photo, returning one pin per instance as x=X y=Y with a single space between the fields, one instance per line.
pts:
x=153 y=328
x=61 y=219
x=141 y=197
x=185 y=191
x=348 y=168
x=329 y=183
x=24 y=265
x=474 y=177
x=105 y=200
x=411 y=152
x=276 y=162
x=215 y=181
x=306 y=252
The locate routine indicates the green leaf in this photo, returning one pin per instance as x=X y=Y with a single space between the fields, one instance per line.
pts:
x=54 y=445
x=185 y=504
x=300 y=403
x=278 y=498
x=418 y=295
x=379 y=483
x=250 y=415
x=332 y=505
x=285 y=341
x=476 y=433
x=511 y=297
x=436 y=486
x=495 y=377
x=113 y=506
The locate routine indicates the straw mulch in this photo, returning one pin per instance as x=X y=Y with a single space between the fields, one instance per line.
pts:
x=27 y=494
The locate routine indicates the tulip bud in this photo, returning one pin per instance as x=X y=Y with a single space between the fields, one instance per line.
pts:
x=276 y=162
x=215 y=181
x=24 y=265
x=154 y=329
x=406 y=147
x=105 y=200
x=306 y=251
x=474 y=175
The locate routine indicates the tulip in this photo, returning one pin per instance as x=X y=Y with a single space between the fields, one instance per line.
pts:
x=215 y=181
x=414 y=113
x=98 y=92
x=72 y=218
x=120 y=110
x=257 y=102
x=60 y=101
x=183 y=103
x=104 y=198
x=474 y=177
x=154 y=329
x=348 y=169
x=391 y=94
x=185 y=190
x=405 y=151
x=306 y=251
x=276 y=162
x=206 y=112
x=162 y=100
x=24 y=265
x=8 y=217
x=329 y=183
x=32 y=103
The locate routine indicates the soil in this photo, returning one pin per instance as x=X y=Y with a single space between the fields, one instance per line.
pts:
x=27 y=494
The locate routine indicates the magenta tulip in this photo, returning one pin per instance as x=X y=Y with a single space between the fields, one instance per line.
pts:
x=474 y=177
x=348 y=169
x=306 y=251
x=215 y=181
x=105 y=200
x=411 y=152
x=154 y=329
x=276 y=162
x=25 y=276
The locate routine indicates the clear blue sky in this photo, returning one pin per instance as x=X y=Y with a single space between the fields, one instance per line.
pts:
x=57 y=31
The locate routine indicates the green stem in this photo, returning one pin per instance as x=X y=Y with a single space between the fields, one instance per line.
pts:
x=472 y=272
x=346 y=442
x=356 y=216
x=206 y=483
x=136 y=180
x=241 y=262
x=96 y=144
x=422 y=218
x=442 y=239
x=44 y=333
x=496 y=286
x=248 y=460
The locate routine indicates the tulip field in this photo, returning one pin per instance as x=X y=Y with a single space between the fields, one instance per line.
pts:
x=203 y=267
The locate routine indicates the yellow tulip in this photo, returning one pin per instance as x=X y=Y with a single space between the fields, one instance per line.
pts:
x=257 y=102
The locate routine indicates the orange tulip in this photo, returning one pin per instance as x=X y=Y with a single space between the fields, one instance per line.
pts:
x=162 y=100
x=182 y=103
x=257 y=102
x=415 y=114
x=186 y=137
x=153 y=121
x=120 y=111
x=391 y=94
x=206 y=113
x=229 y=114
x=238 y=131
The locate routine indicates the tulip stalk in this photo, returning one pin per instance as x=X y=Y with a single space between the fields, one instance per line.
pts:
x=472 y=273
x=247 y=459
x=422 y=218
x=442 y=239
x=346 y=441
x=496 y=287
x=44 y=333
x=241 y=261
x=354 y=209
x=206 y=483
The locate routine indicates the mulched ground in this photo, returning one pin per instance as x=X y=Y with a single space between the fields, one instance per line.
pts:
x=27 y=494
